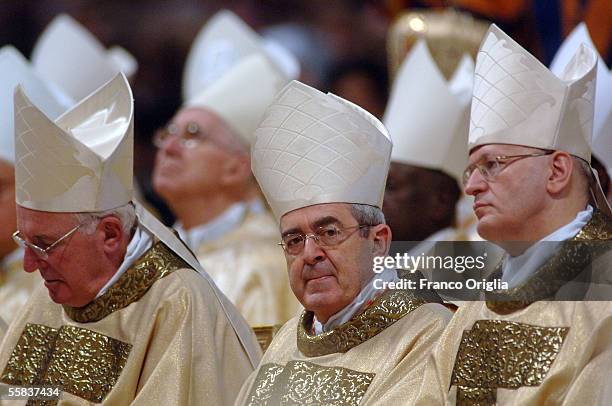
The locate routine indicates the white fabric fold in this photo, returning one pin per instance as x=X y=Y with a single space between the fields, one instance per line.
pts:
x=214 y=229
x=517 y=269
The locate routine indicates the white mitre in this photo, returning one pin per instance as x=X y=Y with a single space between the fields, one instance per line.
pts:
x=221 y=43
x=240 y=97
x=517 y=100
x=83 y=161
x=428 y=116
x=602 y=121
x=69 y=56
x=15 y=70
x=314 y=148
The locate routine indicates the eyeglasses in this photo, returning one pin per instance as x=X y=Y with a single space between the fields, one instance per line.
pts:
x=491 y=168
x=42 y=253
x=189 y=138
x=326 y=236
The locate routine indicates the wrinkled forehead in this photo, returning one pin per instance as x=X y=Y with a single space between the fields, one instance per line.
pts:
x=205 y=118
x=35 y=221
x=308 y=218
x=492 y=150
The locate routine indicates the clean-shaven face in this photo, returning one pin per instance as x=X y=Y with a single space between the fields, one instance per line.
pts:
x=327 y=279
x=505 y=205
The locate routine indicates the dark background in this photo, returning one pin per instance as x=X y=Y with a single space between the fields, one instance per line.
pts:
x=344 y=34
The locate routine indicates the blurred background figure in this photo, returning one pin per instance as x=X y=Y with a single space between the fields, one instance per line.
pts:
x=428 y=158
x=74 y=62
x=203 y=166
x=15 y=284
x=428 y=118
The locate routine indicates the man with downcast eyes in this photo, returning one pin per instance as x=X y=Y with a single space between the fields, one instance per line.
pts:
x=126 y=314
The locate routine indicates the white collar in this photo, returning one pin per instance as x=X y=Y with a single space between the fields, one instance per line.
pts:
x=139 y=244
x=214 y=229
x=344 y=315
x=517 y=269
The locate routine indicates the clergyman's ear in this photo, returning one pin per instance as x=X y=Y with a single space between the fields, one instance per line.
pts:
x=561 y=166
x=112 y=231
x=236 y=170
x=381 y=236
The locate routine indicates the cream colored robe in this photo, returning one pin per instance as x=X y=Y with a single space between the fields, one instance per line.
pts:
x=158 y=336
x=375 y=358
x=16 y=286
x=3 y=327
x=249 y=267
x=521 y=353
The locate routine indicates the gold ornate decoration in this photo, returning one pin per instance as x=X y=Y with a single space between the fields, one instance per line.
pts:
x=306 y=383
x=82 y=362
x=159 y=261
x=263 y=385
x=568 y=262
x=449 y=34
x=502 y=354
x=390 y=307
x=599 y=228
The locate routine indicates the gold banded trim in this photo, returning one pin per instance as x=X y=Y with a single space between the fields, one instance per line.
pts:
x=84 y=363
x=568 y=262
x=306 y=383
x=390 y=307
x=158 y=262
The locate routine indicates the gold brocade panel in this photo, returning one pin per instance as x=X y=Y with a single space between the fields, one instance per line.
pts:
x=80 y=361
x=306 y=383
x=501 y=354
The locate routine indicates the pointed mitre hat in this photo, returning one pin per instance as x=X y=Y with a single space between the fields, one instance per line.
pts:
x=224 y=41
x=517 y=100
x=15 y=70
x=70 y=57
x=81 y=162
x=602 y=120
x=419 y=97
x=240 y=97
x=234 y=73
x=314 y=148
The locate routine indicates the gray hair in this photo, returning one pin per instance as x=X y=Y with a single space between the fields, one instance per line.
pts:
x=126 y=214
x=367 y=215
x=584 y=171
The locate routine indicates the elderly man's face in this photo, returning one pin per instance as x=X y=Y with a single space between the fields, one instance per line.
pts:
x=505 y=204
x=7 y=208
x=195 y=169
x=72 y=271
x=326 y=279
